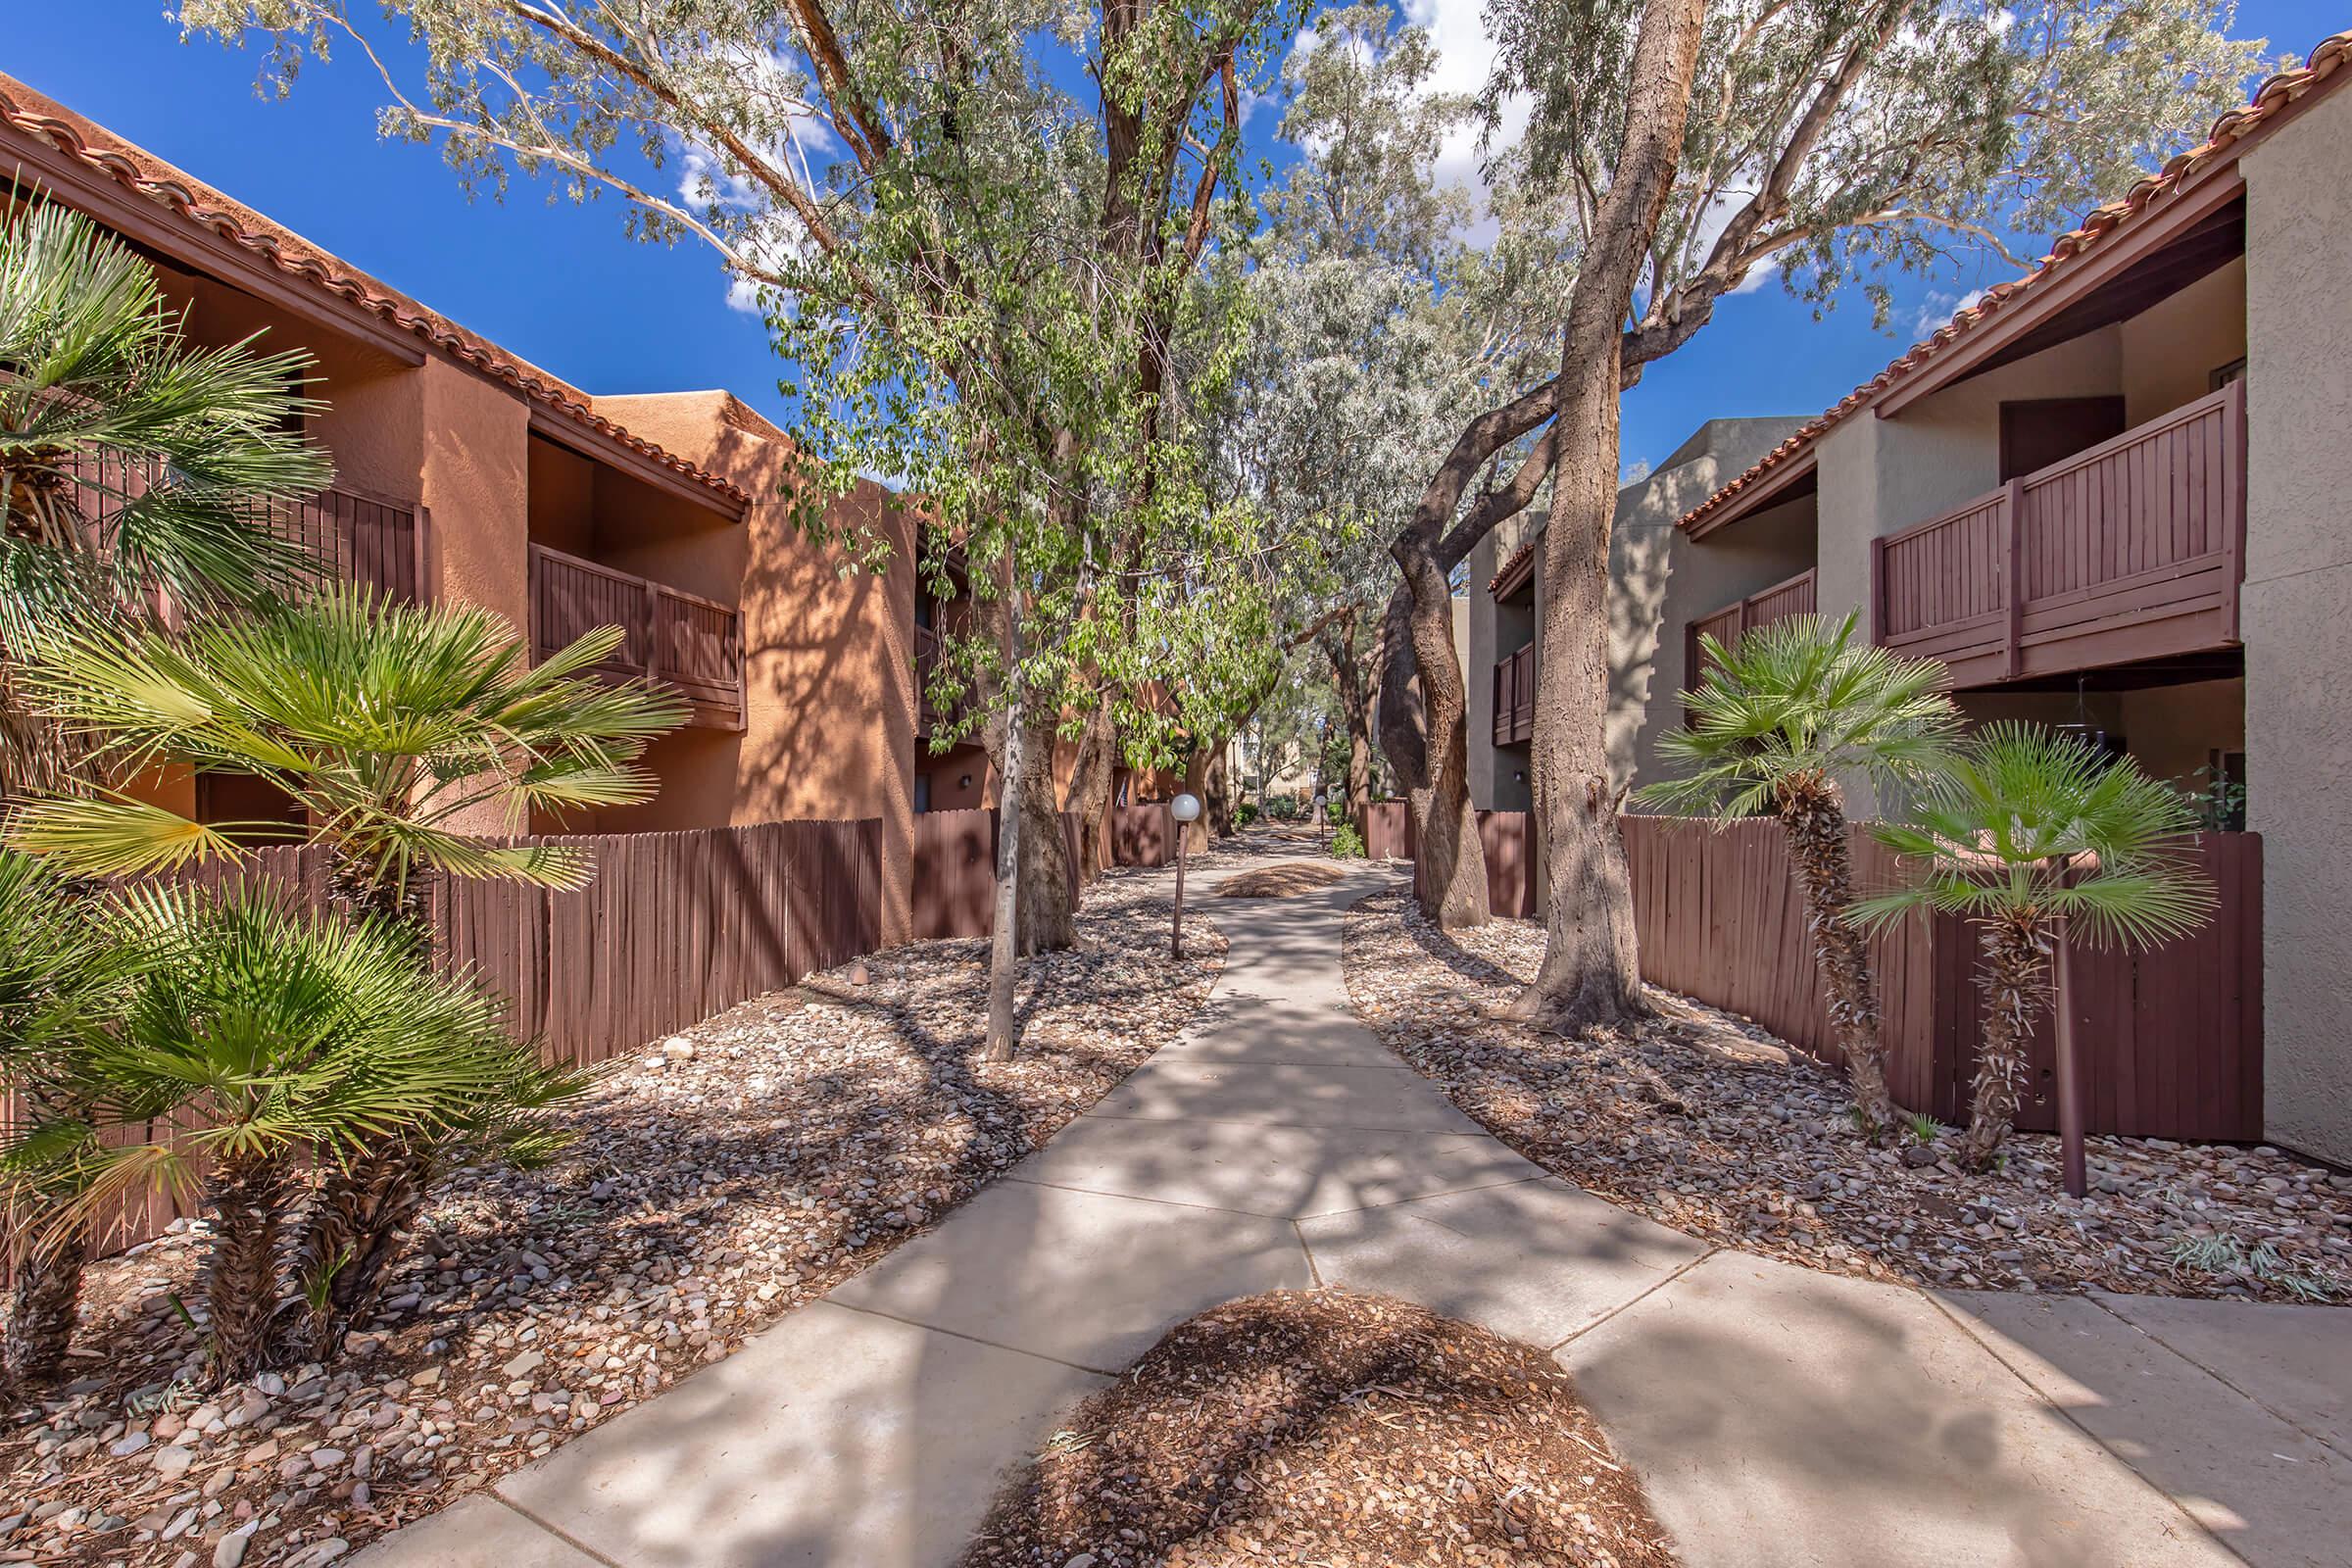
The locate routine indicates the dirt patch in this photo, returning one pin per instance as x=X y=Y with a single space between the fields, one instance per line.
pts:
x=1285 y=880
x=720 y=1177
x=1309 y=1428
x=1704 y=1121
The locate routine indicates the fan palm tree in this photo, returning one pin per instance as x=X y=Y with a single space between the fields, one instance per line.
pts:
x=1777 y=719
x=63 y=982
x=258 y=1046
x=2037 y=836
x=396 y=729
x=136 y=469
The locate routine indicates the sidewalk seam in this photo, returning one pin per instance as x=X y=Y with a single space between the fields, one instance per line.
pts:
x=1257 y=1213
x=564 y=1536
x=958 y=1333
x=2331 y=1444
x=1637 y=1299
x=1968 y=1326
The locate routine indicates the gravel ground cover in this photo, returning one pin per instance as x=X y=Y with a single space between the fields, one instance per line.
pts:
x=1325 y=1429
x=720 y=1177
x=1705 y=1122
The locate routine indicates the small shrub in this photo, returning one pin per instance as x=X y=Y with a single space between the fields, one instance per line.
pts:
x=2229 y=1257
x=1283 y=808
x=1245 y=814
x=1922 y=1126
x=1335 y=811
x=1347 y=844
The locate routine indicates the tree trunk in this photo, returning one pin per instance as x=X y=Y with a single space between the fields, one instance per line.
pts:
x=43 y=1306
x=1450 y=870
x=1590 y=973
x=1217 y=794
x=1195 y=784
x=1049 y=895
x=358 y=1222
x=1089 y=793
x=248 y=1201
x=1813 y=814
x=1003 y=948
x=2017 y=977
x=1348 y=680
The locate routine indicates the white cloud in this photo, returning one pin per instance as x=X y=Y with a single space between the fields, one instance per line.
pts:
x=1938 y=308
x=1465 y=60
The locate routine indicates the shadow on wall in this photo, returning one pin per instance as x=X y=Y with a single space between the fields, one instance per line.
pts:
x=1643 y=565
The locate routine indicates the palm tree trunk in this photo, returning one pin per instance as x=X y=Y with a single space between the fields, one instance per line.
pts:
x=249 y=1200
x=43 y=1306
x=2017 y=960
x=1814 y=817
x=356 y=1224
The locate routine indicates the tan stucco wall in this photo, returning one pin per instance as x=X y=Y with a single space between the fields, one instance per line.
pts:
x=2296 y=602
x=830 y=723
x=1660 y=580
x=2171 y=350
x=1665 y=581
x=374 y=421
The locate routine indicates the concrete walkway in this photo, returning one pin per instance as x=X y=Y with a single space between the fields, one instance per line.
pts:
x=1779 y=1417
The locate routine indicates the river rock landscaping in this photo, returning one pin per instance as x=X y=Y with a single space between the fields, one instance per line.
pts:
x=1705 y=1122
x=1326 y=1428
x=720 y=1177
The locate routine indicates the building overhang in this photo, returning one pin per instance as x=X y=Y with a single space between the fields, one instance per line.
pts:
x=1799 y=476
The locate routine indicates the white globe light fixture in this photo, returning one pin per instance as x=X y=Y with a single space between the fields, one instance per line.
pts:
x=1186 y=810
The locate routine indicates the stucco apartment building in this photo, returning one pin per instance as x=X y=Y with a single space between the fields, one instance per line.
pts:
x=465 y=475
x=2115 y=493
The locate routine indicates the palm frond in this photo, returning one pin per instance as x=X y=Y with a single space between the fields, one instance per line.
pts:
x=1799 y=697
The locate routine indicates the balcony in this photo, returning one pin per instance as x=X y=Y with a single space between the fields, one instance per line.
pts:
x=1793 y=596
x=681 y=639
x=2130 y=550
x=355 y=537
x=1515 y=697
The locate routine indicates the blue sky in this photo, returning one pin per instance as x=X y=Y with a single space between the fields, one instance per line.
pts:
x=561 y=286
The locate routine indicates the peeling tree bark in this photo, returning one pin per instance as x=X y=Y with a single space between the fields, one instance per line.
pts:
x=1090 y=791
x=1590 y=972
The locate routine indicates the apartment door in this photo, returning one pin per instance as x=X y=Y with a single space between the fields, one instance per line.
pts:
x=2040 y=432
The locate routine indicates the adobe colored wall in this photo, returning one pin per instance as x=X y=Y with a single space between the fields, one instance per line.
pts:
x=830 y=656
x=2296 y=602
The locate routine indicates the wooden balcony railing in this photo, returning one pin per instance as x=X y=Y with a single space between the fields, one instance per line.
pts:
x=2132 y=550
x=682 y=639
x=1793 y=595
x=374 y=541
x=1515 y=697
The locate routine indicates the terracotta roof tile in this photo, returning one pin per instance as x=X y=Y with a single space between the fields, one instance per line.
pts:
x=2274 y=95
x=194 y=202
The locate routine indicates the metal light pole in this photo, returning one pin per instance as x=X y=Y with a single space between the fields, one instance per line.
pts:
x=1186 y=808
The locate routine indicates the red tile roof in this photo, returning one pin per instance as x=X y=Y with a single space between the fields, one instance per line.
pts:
x=2272 y=96
x=140 y=171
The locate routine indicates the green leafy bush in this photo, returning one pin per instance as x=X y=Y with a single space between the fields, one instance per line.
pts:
x=1347 y=844
x=1283 y=808
x=1245 y=814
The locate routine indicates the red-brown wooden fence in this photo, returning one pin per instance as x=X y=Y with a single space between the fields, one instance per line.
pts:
x=954 y=872
x=674 y=928
x=2171 y=1039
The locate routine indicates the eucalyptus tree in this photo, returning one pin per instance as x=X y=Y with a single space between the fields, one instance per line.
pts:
x=1378 y=326
x=974 y=273
x=1697 y=141
x=2036 y=839
x=1779 y=718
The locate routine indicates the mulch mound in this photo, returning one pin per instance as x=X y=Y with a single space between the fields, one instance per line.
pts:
x=1285 y=880
x=1326 y=1428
